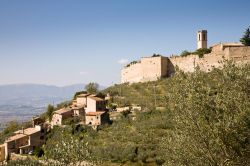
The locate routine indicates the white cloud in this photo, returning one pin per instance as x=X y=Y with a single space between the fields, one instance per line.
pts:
x=122 y=61
x=83 y=73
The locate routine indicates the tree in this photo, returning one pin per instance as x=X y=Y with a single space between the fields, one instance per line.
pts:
x=50 y=110
x=201 y=51
x=92 y=87
x=246 y=38
x=78 y=93
x=185 y=53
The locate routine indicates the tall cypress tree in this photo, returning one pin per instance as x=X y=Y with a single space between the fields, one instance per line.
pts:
x=246 y=38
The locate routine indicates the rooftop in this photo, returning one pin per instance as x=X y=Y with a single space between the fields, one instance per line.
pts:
x=95 y=113
x=21 y=134
x=63 y=110
x=84 y=95
x=76 y=107
x=96 y=98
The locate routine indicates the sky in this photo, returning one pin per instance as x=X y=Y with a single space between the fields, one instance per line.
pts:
x=63 y=42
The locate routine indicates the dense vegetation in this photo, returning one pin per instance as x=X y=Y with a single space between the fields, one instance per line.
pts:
x=205 y=121
x=200 y=52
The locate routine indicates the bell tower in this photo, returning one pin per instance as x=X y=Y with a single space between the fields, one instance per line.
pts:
x=202 y=39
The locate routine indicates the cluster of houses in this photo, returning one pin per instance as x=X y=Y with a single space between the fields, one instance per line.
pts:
x=89 y=108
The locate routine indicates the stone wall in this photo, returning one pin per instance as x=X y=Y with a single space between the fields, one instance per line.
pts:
x=2 y=153
x=238 y=55
x=186 y=64
x=148 y=69
x=132 y=74
x=153 y=68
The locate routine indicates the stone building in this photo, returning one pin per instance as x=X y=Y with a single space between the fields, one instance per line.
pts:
x=95 y=104
x=25 y=141
x=81 y=100
x=60 y=115
x=96 y=119
x=155 y=67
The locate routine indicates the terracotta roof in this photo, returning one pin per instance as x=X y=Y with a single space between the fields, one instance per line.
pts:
x=77 y=107
x=96 y=98
x=19 y=134
x=83 y=95
x=95 y=113
x=63 y=110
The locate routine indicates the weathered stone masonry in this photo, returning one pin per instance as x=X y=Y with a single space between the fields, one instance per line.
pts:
x=153 y=68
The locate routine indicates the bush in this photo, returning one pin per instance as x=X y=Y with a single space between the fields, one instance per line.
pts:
x=185 y=53
x=38 y=152
x=200 y=52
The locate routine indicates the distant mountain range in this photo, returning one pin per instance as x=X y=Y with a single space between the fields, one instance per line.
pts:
x=22 y=101
x=36 y=94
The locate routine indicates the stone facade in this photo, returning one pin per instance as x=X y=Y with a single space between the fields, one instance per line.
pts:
x=81 y=100
x=25 y=141
x=95 y=104
x=2 y=153
x=148 y=69
x=60 y=115
x=153 y=68
x=96 y=119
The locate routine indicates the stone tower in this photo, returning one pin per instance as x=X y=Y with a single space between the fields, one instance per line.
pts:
x=202 y=39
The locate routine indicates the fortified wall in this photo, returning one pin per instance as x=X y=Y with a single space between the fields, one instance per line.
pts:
x=147 y=69
x=153 y=68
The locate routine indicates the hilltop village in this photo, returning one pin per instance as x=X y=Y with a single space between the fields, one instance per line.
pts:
x=88 y=108
x=92 y=109
x=157 y=66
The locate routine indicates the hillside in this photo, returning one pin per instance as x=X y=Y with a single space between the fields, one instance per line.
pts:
x=205 y=122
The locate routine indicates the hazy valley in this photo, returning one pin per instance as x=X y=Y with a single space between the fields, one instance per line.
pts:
x=22 y=101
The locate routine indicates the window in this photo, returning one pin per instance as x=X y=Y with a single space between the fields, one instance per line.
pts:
x=42 y=137
x=199 y=37
x=204 y=36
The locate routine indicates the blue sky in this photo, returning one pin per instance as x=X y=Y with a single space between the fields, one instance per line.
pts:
x=62 y=42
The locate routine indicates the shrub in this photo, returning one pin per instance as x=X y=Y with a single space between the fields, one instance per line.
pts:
x=200 y=52
x=185 y=53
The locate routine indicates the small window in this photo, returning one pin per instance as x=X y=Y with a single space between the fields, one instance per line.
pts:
x=42 y=137
x=204 y=37
x=199 y=37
